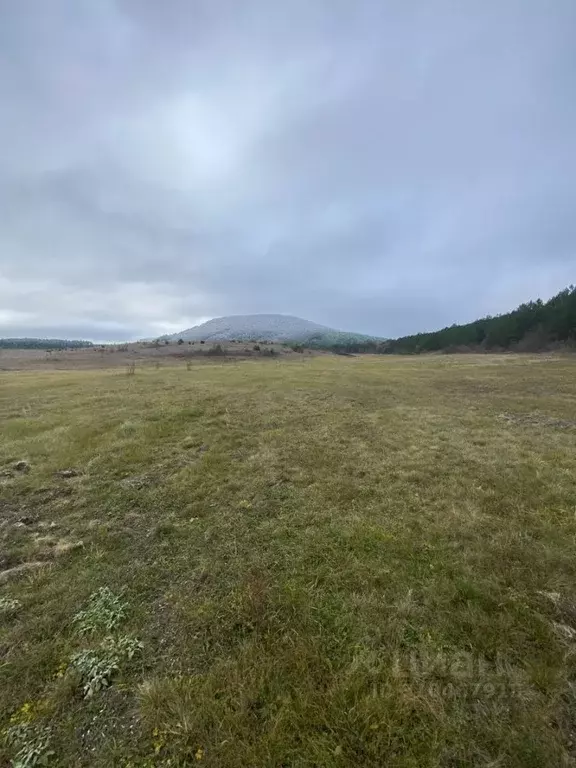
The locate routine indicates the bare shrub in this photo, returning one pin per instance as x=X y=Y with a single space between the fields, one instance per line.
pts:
x=216 y=351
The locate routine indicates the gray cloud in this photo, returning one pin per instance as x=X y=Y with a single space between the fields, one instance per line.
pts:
x=378 y=167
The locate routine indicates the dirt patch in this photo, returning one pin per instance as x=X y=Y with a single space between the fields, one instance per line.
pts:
x=49 y=547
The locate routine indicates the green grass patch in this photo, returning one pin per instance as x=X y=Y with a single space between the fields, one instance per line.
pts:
x=326 y=562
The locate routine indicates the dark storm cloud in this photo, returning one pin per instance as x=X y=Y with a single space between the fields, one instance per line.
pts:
x=380 y=167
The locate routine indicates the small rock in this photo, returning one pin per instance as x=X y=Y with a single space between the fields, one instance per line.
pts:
x=66 y=474
x=137 y=482
x=22 y=466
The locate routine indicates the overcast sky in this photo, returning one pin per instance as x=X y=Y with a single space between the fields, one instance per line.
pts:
x=378 y=166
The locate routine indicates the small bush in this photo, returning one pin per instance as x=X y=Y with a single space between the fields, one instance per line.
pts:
x=216 y=350
x=256 y=347
x=180 y=342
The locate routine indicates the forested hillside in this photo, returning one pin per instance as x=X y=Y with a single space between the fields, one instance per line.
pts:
x=531 y=327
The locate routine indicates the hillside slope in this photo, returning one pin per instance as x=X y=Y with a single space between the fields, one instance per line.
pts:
x=246 y=327
x=283 y=328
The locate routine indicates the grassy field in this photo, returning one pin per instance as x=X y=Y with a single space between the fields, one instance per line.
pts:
x=326 y=562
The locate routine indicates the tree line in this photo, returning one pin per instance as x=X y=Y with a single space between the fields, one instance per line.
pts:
x=43 y=343
x=531 y=327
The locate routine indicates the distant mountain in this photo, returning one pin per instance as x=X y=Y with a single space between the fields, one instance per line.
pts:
x=281 y=328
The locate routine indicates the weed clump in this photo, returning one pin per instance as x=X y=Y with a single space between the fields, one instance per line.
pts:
x=96 y=667
x=104 y=612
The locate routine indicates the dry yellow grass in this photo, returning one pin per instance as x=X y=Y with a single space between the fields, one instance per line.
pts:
x=329 y=562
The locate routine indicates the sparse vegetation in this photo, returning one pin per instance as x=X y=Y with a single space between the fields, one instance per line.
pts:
x=322 y=562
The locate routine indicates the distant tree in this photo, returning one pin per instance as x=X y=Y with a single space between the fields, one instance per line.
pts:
x=34 y=343
x=166 y=341
x=180 y=341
